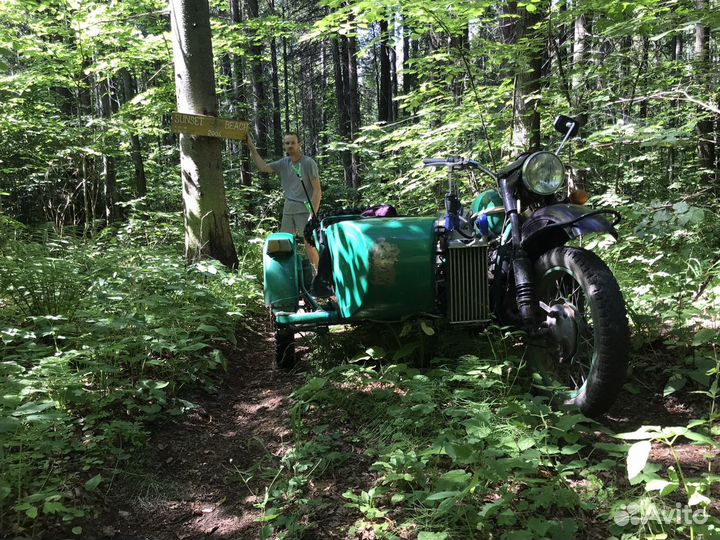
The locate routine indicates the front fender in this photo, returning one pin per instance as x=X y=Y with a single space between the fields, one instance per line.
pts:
x=554 y=225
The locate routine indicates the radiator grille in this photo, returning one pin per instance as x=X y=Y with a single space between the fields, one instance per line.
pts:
x=468 y=284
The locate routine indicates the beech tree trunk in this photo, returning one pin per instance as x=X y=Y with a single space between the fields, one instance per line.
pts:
x=581 y=57
x=207 y=224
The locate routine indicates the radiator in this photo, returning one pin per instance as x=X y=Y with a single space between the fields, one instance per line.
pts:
x=468 y=290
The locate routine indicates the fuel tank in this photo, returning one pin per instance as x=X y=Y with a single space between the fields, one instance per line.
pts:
x=383 y=267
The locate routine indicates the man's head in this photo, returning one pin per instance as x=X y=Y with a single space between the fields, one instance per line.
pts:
x=291 y=142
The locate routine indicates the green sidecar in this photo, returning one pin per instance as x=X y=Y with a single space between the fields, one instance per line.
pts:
x=378 y=269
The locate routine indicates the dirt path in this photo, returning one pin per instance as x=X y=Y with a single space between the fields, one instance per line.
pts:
x=197 y=478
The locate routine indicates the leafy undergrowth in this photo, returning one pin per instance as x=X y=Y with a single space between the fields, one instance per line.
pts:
x=98 y=341
x=463 y=449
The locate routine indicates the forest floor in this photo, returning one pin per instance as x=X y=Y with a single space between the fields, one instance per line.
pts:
x=203 y=476
x=206 y=475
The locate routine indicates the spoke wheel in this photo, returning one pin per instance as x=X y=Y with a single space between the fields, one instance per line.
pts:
x=584 y=355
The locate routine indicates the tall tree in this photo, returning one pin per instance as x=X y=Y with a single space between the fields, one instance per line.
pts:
x=581 y=57
x=258 y=82
x=704 y=127
x=207 y=224
x=109 y=168
x=276 y=118
x=520 y=30
x=385 y=95
x=129 y=91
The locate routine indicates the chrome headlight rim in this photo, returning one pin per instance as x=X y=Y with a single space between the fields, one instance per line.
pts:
x=534 y=184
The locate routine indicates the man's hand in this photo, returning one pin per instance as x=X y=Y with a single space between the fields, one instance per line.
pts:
x=259 y=161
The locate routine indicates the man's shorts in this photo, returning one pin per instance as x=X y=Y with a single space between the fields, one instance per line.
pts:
x=294 y=223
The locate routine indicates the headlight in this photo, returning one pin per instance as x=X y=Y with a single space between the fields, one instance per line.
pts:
x=543 y=173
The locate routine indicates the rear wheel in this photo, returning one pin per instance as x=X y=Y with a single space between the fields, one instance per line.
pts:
x=284 y=348
x=584 y=355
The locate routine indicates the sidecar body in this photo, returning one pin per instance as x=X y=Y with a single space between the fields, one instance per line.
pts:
x=379 y=269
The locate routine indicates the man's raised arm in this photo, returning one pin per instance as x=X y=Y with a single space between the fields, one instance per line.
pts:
x=259 y=161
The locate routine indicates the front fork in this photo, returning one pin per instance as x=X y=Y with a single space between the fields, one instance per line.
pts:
x=527 y=302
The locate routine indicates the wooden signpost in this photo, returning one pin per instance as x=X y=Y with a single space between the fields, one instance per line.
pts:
x=208 y=126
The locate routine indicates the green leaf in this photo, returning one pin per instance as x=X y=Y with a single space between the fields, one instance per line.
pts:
x=426 y=535
x=405 y=350
x=681 y=207
x=663 y=486
x=704 y=336
x=5 y=489
x=426 y=328
x=92 y=484
x=376 y=353
x=442 y=495
x=33 y=407
x=698 y=498
x=208 y=329
x=77 y=530
x=53 y=507
x=675 y=383
x=456 y=476
x=31 y=512
x=637 y=458
x=9 y=424
x=644 y=432
x=572 y=449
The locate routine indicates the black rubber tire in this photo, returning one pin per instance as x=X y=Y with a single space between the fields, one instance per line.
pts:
x=285 y=349
x=608 y=340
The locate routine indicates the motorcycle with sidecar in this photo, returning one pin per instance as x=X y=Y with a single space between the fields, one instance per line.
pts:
x=503 y=259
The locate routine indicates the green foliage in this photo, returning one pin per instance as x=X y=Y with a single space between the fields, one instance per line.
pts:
x=456 y=451
x=99 y=341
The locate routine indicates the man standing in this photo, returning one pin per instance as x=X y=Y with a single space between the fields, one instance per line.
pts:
x=300 y=180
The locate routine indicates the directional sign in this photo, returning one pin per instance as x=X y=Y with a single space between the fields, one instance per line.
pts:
x=208 y=126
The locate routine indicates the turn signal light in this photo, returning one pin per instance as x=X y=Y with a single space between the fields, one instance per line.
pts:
x=579 y=197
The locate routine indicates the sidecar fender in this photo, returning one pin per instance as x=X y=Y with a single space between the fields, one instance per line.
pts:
x=280 y=272
x=554 y=225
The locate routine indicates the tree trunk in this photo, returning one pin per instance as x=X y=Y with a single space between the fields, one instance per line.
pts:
x=407 y=81
x=239 y=93
x=87 y=166
x=581 y=60
x=385 y=98
x=109 y=169
x=704 y=126
x=354 y=102
x=526 y=99
x=286 y=89
x=277 y=120
x=341 y=69
x=207 y=224
x=140 y=186
x=258 y=84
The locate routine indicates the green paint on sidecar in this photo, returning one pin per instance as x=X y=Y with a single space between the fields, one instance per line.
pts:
x=280 y=272
x=383 y=267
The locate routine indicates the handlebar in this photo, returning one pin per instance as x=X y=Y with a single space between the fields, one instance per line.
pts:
x=455 y=163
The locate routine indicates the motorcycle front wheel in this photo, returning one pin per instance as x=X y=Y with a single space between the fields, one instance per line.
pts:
x=584 y=355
